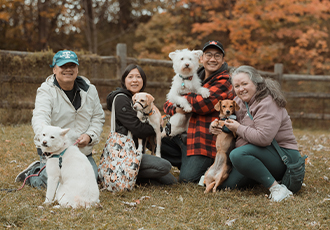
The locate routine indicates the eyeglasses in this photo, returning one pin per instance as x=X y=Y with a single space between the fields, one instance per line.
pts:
x=209 y=55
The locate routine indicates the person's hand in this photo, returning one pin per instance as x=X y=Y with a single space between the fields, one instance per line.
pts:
x=179 y=110
x=215 y=127
x=83 y=140
x=232 y=125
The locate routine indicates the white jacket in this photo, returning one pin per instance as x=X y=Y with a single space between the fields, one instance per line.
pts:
x=52 y=107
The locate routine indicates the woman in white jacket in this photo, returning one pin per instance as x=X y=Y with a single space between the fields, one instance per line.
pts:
x=68 y=101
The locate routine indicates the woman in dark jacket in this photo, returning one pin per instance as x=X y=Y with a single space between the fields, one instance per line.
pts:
x=134 y=80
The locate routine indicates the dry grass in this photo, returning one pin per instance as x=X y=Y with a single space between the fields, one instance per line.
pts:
x=182 y=206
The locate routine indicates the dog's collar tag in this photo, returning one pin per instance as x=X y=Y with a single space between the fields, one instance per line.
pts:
x=59 y=157
x=182 y=85
x=145 y=118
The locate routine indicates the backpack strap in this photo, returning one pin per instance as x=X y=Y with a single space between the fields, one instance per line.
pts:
x=113 y=117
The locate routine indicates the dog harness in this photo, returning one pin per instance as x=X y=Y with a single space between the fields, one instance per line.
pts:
x=60 y=157
x=183 y=79
x=224 y=128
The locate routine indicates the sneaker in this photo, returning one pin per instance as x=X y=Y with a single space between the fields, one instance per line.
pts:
x=279 y=192
x=22 y=175
x=201 y=181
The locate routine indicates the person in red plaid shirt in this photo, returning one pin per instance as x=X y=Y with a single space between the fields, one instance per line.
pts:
x=194 y=152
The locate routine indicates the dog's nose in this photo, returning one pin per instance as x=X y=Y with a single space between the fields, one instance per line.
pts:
x=187 y=65
x=228 y=112
x=44 y=143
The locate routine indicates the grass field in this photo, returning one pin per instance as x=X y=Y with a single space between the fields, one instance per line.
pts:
x=181 y=206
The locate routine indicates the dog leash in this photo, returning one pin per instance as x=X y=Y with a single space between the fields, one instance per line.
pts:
x=60 y=164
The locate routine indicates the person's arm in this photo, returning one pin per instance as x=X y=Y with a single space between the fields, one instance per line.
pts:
x=42 y=109
x=126 y=115
x=97 y=120
x=265 y=125
x=169 y=108
x=219 y=90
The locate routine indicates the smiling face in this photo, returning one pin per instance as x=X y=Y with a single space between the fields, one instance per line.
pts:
x=243 y=86
x=134 y=81
x=212 y=60
x=66 y=75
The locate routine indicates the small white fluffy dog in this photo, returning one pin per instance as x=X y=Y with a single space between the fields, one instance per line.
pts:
x=68 y=170
x=143 y=103
x=186 y=80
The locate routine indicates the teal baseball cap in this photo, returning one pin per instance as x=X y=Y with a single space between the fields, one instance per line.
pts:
x=64 y=56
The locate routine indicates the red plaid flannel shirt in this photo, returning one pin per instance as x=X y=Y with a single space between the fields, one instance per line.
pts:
x=199 y=140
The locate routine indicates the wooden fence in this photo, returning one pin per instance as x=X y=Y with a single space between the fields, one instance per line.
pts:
x=121 y=61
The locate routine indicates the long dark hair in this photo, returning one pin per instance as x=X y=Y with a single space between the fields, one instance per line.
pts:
x=126 y=72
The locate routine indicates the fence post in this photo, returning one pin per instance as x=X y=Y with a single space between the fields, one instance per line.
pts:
x=278 y=69
x=121 y=50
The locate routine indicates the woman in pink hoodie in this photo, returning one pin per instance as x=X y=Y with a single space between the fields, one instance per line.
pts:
x=255 y=160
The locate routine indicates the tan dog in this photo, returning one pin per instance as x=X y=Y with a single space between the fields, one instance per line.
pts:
x=225 y=142
x=143 y=103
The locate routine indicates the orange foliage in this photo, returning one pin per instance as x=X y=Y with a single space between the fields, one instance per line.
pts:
x=253 y=32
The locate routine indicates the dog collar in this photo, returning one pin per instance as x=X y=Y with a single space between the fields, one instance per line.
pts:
x=59 y=157
x=183 y=79
x=150 y=113
x=186 y=78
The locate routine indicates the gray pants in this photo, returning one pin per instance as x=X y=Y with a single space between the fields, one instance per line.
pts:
x=41 y=180
x=155 y=169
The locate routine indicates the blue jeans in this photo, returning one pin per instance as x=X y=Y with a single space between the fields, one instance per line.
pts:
x=191 y=167
x=41 y=180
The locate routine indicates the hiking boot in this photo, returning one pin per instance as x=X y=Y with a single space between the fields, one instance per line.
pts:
x=22 y=175
x=279 y=192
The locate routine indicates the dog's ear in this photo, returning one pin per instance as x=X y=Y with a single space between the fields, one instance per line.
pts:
x=172 y=55
x=64 y=131
x=133 y=98
x=198 y=53
x=217 y=106
x=150 y=98
x=236 y=106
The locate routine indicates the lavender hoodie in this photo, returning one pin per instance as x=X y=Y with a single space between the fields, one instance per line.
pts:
x=269 y=122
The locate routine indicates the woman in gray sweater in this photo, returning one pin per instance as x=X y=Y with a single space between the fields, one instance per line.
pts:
x=255 y=160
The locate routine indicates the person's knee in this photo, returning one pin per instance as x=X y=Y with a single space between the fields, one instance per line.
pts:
x=236 y=156
x=164 y=167
x=189 y=177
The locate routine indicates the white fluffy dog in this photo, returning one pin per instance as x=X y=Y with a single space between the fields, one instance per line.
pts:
x=185 y=65
x=68 y=170
x=143 y=103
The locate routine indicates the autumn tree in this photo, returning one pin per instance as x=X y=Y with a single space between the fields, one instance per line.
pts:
x=254 y=32
x=261 y=33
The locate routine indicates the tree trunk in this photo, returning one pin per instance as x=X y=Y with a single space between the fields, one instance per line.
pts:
x=42 y=25
x=91 y=34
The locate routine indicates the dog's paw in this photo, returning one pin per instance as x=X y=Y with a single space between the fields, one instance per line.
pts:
x=187 y=108
x=204 y=92
x=47 y=203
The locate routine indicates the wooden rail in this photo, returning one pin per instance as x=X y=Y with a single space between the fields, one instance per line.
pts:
x=121 y=61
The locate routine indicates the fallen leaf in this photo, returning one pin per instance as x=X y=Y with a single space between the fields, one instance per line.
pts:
x=230 y=222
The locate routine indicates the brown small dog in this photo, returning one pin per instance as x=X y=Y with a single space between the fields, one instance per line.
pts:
x=143 y=103
x=220 y=169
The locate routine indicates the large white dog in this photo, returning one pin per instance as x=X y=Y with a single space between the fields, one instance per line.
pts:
x=186 y=80
x=68 y=170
